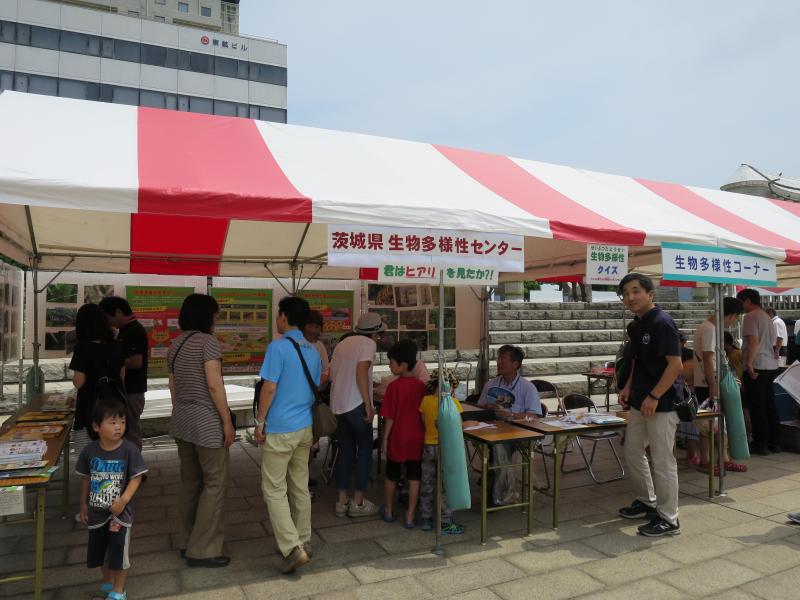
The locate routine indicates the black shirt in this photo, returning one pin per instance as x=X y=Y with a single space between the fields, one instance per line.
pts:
x=653 y=337
x=95 y=360
x=133 y=338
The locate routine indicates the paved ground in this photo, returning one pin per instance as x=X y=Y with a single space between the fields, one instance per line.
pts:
x=735 y=547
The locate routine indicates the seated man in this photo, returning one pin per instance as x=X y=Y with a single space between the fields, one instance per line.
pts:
x=510 y=395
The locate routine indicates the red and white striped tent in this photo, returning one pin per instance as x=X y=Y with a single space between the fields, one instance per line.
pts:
x=117 y=188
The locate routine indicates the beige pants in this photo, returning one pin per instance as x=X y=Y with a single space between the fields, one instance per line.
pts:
x=284 y=484
x=204 y=479
x=658 y=432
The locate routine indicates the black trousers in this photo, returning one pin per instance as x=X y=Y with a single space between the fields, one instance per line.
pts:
x=763 y=413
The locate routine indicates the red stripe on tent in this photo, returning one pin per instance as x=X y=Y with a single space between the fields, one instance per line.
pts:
x=562 y=279
x=680 y=284
x=700 y=207
x=180 y=236
x=792 y=256
x=209 y=166
x=569 y=220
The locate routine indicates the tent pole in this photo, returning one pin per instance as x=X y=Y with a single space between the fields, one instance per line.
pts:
x=440 y=350
x=720 y=350
x=35 y=262
x=482 y=376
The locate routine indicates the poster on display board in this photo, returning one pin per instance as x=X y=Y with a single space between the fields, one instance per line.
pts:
x=336 y=307
x=157 y=309
x=244 y=327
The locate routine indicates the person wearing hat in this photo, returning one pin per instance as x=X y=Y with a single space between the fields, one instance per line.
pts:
x=351 y=402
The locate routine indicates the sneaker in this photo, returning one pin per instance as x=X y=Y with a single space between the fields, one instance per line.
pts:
x=659 y=527
x=296 y=558
x=638 y=510
x=342 y=509
x=794 y=517
x=365 y=509
x=309 y=550
x=427 y=525
x=452 y=528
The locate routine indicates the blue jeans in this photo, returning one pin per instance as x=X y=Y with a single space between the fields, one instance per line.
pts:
x=355 y=449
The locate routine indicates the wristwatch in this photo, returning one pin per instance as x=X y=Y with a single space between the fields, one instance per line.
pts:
x=259 y=423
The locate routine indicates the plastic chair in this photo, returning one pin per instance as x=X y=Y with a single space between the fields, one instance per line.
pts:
x=578 y=402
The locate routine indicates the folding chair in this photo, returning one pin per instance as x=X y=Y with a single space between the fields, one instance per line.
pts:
x=545 y=387
x=578 y=402
x=329 y=460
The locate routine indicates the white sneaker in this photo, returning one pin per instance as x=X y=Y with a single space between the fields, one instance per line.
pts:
x=342 y=509
x=366 y=509
x=794 y=517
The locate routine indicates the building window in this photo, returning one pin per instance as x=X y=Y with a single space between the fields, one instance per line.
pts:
x=267 y=74
x=154 y=55
x=129 y=51
x=80 y=43
x=7 y=31
x=205 y=11
x=23 y=34
x=227 y=109
x=226 y=67
x=183 y=7
x=268 y=113
x=201 y=63
x=201 y=105
x=44 y=37
x=159 y=19
x=38 y=84
x=133 y=13
x=6 y=81
x=161 y=2
x=153 y=99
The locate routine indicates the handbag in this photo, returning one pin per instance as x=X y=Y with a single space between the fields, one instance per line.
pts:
x=323 y=421
x=687 y=407
x=172 y=367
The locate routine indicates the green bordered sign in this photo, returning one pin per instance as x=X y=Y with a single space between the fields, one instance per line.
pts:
x=687 y=262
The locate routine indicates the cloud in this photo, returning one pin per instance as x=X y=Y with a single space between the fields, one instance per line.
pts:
x=681 y=91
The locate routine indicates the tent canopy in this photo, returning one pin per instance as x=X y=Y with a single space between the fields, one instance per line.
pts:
x=160 y=191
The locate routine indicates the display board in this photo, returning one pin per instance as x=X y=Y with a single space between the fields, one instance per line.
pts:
x=244 y=327
x=413 y=314
x=336 y=307
x=157 y=309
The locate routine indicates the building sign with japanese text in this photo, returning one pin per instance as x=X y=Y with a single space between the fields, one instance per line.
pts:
x=222 y=43
x=606 y=265
x=453 y=274
x=363 y=246
x=687 y=262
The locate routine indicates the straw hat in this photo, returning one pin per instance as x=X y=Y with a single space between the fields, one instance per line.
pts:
x=370 y=323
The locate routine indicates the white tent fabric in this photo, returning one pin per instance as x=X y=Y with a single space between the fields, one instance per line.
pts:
x=128 y=189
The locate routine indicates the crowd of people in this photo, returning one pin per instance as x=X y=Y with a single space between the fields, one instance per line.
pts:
x=110 y=373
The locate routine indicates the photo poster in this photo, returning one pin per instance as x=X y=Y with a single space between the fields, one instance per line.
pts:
x=336 y=307
x=244 y=327
x=157 y=309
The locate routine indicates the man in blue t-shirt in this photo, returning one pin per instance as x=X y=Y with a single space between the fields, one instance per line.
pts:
x=283 y=429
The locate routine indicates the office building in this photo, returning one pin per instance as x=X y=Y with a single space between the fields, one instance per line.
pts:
x=61 y=49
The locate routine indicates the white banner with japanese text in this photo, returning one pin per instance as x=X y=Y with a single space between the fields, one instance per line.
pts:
x=453 y=274
x=606 y=265
x=687 y=262
x=361 y=246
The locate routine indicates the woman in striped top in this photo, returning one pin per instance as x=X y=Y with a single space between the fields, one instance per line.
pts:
x=202 y=428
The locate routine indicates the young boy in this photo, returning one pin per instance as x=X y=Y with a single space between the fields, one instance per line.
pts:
x=430 y=413
x=403 y=431
x=111 y=469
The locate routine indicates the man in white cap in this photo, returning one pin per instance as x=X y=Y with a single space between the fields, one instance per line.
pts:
x=351 y=402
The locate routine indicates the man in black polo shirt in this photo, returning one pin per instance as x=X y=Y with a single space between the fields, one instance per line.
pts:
x=655 y=383
x=133 y=338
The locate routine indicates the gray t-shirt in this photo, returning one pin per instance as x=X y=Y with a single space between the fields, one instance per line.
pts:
x=758 y=323
x=109 y=472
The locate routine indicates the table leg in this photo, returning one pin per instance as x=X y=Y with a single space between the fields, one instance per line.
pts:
x=37 y=578
x=608 y=395
x=588 y=386
x=65 y=478
x=484 y=491
x=711 y=458
x=531 y=476
x=558 y=444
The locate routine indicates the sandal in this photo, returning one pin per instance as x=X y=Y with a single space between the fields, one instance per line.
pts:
x=408 y=525
x=117 y=596
x=105 y=590
x=382 y=514
x=735 y=467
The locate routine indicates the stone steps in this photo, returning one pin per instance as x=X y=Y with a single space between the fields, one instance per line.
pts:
x=562 y=349
x=562 y=336
x=573 y=324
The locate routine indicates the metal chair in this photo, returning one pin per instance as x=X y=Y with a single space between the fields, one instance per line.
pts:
x=546 y=449
x=579 y=402
x=329 y=460
x=545 y=387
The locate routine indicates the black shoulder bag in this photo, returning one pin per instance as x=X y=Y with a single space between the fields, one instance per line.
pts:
x=323 y=419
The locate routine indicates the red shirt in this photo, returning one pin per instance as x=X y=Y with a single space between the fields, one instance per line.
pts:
x=401 y=404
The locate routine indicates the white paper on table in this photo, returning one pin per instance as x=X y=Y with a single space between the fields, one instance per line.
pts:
x=12 y=500
x=480 y=425
x=563 y=424
x=790 y=380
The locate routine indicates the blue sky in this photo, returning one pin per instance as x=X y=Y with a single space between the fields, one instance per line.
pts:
x=679 y=91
